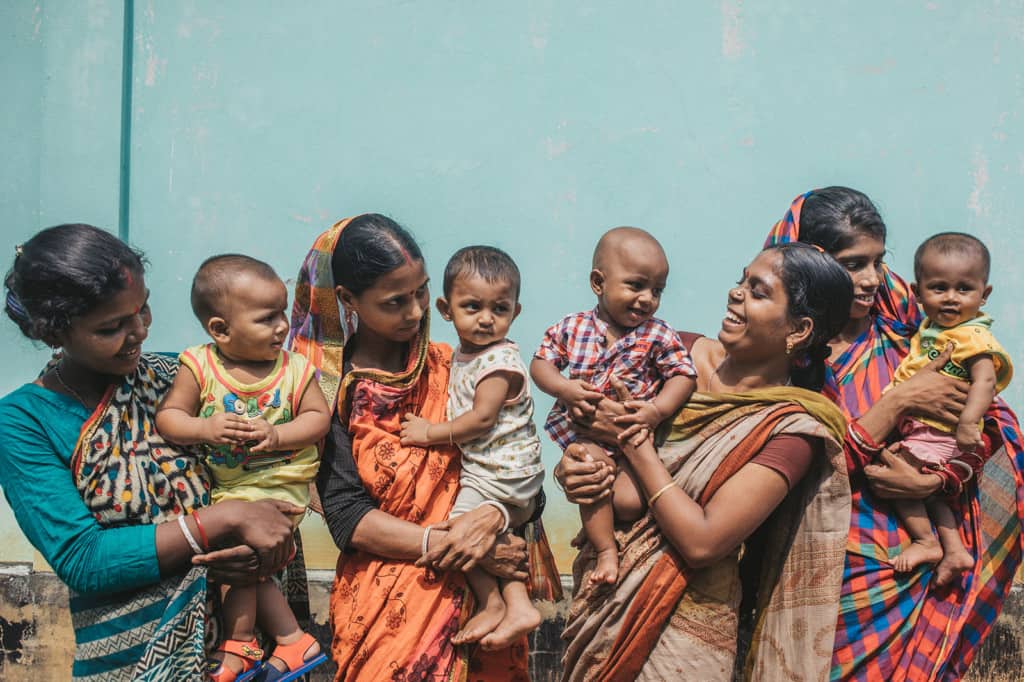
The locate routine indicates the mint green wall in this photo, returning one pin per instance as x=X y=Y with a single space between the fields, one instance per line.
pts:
x=533 y=126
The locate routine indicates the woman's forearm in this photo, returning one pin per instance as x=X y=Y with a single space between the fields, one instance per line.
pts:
x=882 y=418
x=680 y=518
x=173 y=552
x=704 y=535
x=384 y=535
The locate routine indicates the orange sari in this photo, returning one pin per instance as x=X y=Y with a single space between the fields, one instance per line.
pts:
x=392 y=620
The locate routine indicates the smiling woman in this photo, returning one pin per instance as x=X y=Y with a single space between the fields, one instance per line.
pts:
x=120 y=516
x=754 y=449
x=922 y=629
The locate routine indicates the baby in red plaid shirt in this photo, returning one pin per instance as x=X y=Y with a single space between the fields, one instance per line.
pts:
x=621 y=338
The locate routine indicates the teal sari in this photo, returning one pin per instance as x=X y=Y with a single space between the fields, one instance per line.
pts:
x=128 y=475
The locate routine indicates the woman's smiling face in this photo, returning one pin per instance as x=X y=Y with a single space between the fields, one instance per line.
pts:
x=108 y=339
x=863 y=260
x=757 y=320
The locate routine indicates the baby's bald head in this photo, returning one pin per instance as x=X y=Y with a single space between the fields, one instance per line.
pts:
x=626 y=240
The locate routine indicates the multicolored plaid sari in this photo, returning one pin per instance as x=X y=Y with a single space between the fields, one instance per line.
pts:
x=391 y=619
x=899 y=627
x=128 y=475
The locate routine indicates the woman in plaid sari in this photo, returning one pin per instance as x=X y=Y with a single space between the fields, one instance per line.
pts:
x=930 y=624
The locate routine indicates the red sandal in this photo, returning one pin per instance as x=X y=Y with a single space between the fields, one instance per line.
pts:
x=293 y=656
x=252 y=661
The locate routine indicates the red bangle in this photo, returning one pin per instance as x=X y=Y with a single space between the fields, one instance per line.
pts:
x=202 y=533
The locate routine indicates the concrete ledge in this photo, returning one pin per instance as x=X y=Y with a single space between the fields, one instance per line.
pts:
x=37 y=643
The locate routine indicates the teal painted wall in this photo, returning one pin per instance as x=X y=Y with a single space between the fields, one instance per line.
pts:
x=533 y=126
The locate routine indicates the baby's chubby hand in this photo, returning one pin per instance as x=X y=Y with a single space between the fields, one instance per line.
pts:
x=265 y=434
x=581 y=398
x=225 y=428
x=415 y=430
x=968 y=437
x=640 y=422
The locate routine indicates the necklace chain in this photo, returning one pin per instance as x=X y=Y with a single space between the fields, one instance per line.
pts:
x=73 y=392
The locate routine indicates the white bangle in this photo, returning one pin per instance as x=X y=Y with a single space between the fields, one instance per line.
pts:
x=426 y=540
x=966 y=467
x=188 y=536
x=500 y=507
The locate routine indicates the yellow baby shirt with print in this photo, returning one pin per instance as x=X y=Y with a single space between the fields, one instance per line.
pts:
x=970 y=339
x=238 y=473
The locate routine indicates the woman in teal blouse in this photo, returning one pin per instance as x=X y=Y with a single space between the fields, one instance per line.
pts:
x=113 y=508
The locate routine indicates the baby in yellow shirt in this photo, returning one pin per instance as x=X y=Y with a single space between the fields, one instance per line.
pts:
x=260 y=412
x=952 y=271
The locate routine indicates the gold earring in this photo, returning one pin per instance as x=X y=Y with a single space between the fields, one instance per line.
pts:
x=789 y=347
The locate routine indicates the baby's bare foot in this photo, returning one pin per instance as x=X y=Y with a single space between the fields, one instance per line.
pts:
x=607 y=568
x=953 y=564
x=517 y=622
x=920 y=552
x=482 y=623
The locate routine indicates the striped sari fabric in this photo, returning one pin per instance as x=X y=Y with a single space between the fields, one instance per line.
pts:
x=899 y=627
x=124 y=470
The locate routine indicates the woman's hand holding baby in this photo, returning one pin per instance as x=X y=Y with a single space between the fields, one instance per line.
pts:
x=583 y=479
x=468 y=539
x=895 y=477
x=265 y=526
x=930 y=393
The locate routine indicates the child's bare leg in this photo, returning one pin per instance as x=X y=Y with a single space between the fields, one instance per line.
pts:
x=520 y=618
x=277 y=621
x=924 y=548
x=599 y=525
x=490 y=607
x=627 y=502
x=955 y=557
x=238 y=611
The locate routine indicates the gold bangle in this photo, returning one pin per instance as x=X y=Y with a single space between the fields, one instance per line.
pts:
x=451 y=433
x=661 y=491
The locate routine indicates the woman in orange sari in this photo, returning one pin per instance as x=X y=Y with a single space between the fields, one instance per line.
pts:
x=400 y=593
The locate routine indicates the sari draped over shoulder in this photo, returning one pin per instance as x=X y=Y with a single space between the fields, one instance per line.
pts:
x=665 y=620
x=127 y=475
x=391 y=619
x=901 y=628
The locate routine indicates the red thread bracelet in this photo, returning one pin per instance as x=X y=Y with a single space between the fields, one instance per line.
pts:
x=202 y=532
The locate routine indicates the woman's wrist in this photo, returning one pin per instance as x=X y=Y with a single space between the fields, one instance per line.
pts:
x=223 y=520
x=898 y=400
x=642 y=456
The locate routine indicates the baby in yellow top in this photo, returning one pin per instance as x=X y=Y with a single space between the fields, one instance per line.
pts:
x=951 y=270
x=260 y=413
